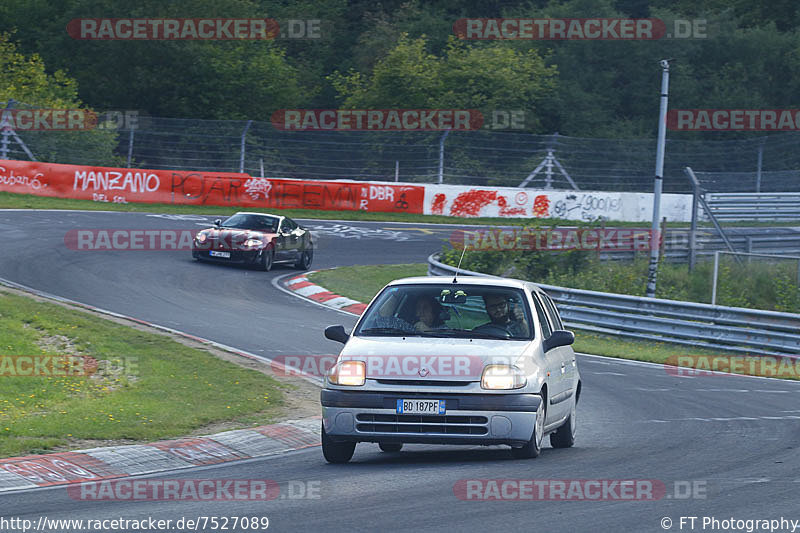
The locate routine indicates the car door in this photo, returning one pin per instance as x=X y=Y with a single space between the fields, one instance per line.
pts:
x=294 y=239
x=567 y=351
x=282 y=242
x=556 y=366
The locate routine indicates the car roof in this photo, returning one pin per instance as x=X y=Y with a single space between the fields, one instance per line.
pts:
x=465 y=280
x=259 y=214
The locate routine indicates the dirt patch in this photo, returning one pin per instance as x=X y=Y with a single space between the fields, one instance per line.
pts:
x=60 y=344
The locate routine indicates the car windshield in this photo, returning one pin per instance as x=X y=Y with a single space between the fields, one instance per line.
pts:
x=252 y=222
x=448 y=310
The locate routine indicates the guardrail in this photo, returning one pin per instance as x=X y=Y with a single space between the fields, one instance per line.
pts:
x=733 y=329
x=754 y=206
x=676 y=249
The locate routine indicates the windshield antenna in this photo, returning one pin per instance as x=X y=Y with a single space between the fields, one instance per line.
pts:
x=459 y=263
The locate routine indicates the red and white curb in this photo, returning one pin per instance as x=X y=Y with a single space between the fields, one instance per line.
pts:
x=302 y=287
x=96 y=464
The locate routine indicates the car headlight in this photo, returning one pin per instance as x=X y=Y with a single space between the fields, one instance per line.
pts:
x=502 y=377
x=350 y=373
x=201 y=237
x=252 y=243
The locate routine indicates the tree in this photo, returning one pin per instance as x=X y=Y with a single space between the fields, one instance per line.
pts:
x=487 y=77
x=26 y=81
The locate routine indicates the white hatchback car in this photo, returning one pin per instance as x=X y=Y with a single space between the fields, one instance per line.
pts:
x=441 y=361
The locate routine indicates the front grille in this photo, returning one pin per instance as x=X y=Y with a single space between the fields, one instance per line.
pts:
x=423 y=382
x=422 y=424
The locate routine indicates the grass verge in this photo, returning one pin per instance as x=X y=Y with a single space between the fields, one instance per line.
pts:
x=29 y=201
x=147 y=386
x=363 y=282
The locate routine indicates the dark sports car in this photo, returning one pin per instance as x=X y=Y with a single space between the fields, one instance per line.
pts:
x=255 y=239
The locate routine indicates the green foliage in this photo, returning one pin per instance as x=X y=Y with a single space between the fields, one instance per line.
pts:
x=403 y=53
x=26 y=81
x=487 y=78
x=755 y=285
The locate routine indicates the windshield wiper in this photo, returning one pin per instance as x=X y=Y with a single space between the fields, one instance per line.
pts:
x=462 y=333
x=387 y=330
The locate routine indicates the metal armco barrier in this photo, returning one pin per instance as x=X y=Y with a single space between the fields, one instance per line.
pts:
x=733 y=329
x=777 y=241
x=755 y=206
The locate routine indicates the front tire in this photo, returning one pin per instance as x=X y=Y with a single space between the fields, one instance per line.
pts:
x=304 y=262
x=267 y=259
x=390 y=447
x=564 y=437
x=336 y=452
x=533 y=447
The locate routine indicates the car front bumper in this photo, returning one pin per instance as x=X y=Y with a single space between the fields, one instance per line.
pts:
x=247 y=257
x=477 y=419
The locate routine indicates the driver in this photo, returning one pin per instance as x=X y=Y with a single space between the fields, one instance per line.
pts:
x=502 y=315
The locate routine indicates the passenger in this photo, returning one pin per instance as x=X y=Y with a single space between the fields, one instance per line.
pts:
x=429 y=314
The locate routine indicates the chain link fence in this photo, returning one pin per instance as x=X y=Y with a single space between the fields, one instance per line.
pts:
x=768 y=163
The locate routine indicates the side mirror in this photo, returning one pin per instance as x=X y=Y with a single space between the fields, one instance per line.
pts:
x=336 y=333
x=218 y=222
x=559 y=337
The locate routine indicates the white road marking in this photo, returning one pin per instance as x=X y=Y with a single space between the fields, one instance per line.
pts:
x=310 y=289
x=724 y=419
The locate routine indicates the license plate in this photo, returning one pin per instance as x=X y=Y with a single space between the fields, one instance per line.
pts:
x=420 y=407
x=226 y=255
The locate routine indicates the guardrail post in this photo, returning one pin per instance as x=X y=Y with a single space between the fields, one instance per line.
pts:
x=690 y=173
x=241 y=151
x=714 y=279
x=693 y=228
x=441 y=156
x=130 y=147
x=758 y=168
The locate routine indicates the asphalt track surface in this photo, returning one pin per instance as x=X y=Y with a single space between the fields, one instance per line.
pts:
x=733 y=438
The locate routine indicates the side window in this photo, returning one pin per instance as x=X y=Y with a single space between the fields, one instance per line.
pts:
x=543 y=320
x=289 y=224
x=554 y=316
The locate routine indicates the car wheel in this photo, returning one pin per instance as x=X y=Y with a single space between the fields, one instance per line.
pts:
x=305 y=260
x=533 y=447
x=564 y=437
x=336 y=452
x=267 y=259
x=391 y=447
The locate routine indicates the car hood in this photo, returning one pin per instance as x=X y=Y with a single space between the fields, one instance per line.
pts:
x=431 y=358
x=227 y=232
